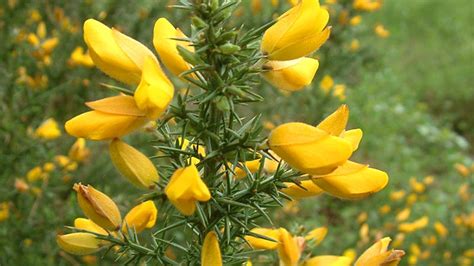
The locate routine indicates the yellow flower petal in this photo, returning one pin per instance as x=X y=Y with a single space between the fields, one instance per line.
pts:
x=354 y=136
x=289 y=249
x=117 y=105
x=140 y=217
x=78 y=151
x=291 y=75
x=317 y=234
x=352 y=181
x=297 y=33
x=260 y=243
x=98 y=207
x=163 y=35
x=211 y=253
x=78 y=243
x=377 y=255
x=155 y=91
x=336 y=122
x=48 y=130
x=309 y=149
x=328 y=260
x=134 y=165
x=96 y=125
x=309 y=189
x=89 y=225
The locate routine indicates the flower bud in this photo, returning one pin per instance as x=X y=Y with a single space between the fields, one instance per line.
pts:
x=291 y=75
x=140 y=217
x=78 y=151
x=185 y=188
x=378 y=254
x=211 y=253
x=289 y=248
x=134 y=165
x=78 y=243
x=98 y=207
x=352 y=181
x=155 y=91
x=297 y=33
x=163 y=40
x=116 y=54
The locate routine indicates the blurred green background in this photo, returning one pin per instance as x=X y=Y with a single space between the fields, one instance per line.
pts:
x=411 y=92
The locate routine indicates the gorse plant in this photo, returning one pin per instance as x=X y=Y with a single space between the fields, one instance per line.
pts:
x=217 y=173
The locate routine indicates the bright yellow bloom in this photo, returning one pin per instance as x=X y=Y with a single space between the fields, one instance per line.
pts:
x=200 y=149
x=134 y=165
x=309 y=149
x=185 y=188
x=297 y=33
x=367 y=5
x=164 y=34
x=140 y=217
x=116 y=54
x=364 y=232
x=305 y=189
x=35 y=174
x=89 y=225
x=378 y=255
x=80 y=58
x=4 y=211
x=441 y=229
x=78 y=243
x=289 y=248
x=211 y=253
x=112 y=117
x=428 y=180
x=252 y=166
x=416 y=225
x=340 y=92
x=328 y=260
x=362 y=217
x=326 y=83
x=403 y=215
x=418 y=187
x=98 y=207
x=78 y=151
x=355 y=45
x=291 y=75
x=350 y=253
x=155 y=91
x=385 y=209
x=49 y=129
x=352 y=181
x=356 y=20
x=381 y=31
x=261 y=243
x=317 y=235
x=462 y=169
x=397 y=195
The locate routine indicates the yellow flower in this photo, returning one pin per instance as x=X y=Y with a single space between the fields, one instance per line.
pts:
x=428 y=180
x=355 y=45
x=381 y=31
x=48 y=167
x=356 y=20
x=350 y=253
x=112 y=117
x=340 y=92
x=4 y=211
x=49 y=129
x=211 y=253
x=98 y=207
x=133 y=164
x=291 y=75
x=200 y=149
x=416 y=225
x=328 y=260
x=362 y=217
x=418 y=187
x=352 y=181
x=397 y=195
x=441 y=229
x=289 y=248
x=462 y=169
x=89 y=225
x=317 y=235
x=326 y=83
x=403 y=215
x=385 y=209
x=79 y=243
x=35 y=174
x=21 y=185
x=116 y=54
x=261 y=243
x=305 y=189
x=364 y=232
x=78 y=151
x=378 y=255
x=140 y=217
x=309 y=149
x=297 y=33
x=252 y=166
x=185 y=188
x=164 y=34
x=80 y=58
x=367 y=5
x=155 y=91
